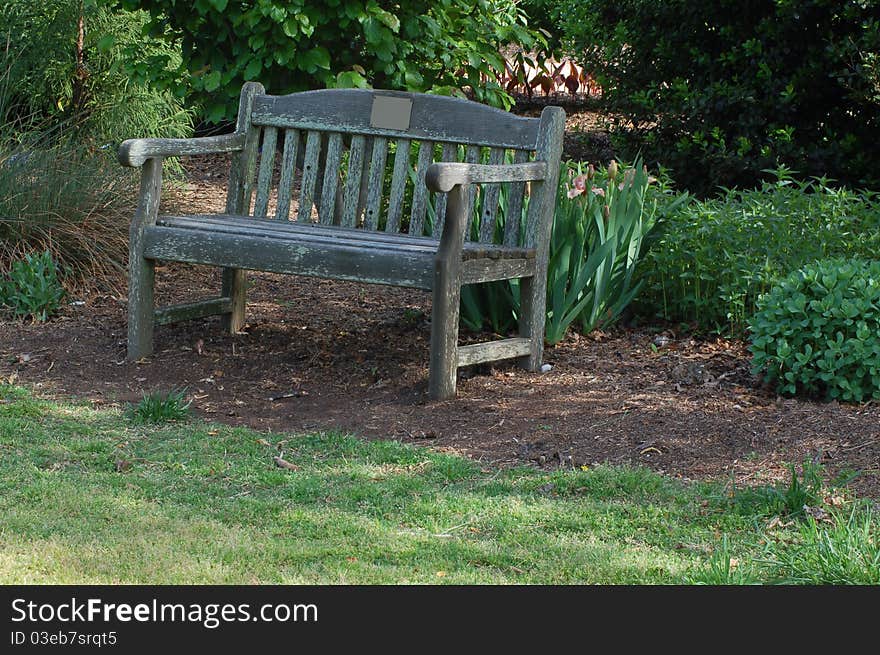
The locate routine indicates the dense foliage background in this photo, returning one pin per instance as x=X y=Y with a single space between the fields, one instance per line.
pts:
x=720 y=91
x=67 y=67
x=441 y=46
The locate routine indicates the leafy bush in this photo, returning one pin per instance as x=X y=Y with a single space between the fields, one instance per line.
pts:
x=70 y=64
x=33 y=288
x=437 y=46
x=720 y=91
x=818 y=331
x=602 y=217
x=710 y=260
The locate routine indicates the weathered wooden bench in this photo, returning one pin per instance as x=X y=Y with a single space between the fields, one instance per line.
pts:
x=338 y=150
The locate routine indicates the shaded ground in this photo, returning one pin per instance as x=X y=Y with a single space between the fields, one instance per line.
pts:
x=322 y=354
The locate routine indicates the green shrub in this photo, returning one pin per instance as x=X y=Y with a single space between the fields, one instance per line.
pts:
x=818 y=331
x=710 y=260
x=437 y=46
x=162 y=407
x=602 y=216
x=32 y=288
x=54 y=76
x=720 y=91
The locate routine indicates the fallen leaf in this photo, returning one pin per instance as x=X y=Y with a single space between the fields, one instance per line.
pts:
x=441 y=574
x=284 y=464
x=263 y=442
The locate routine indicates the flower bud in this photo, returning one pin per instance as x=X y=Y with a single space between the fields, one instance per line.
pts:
x=612 y=170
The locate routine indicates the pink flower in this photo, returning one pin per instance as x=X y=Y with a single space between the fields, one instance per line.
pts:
x=579 y=186
x=628 y=177
x=599 y=191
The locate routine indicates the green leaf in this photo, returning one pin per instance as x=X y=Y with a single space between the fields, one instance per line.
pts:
x=351 y=80
x=106 y=43
x=211 y=81
x=311 y=60
x=253 y=70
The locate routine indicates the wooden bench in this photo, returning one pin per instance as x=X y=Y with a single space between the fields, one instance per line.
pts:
x=373 y=206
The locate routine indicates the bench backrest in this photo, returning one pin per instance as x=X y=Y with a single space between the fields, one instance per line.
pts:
x=357 y=158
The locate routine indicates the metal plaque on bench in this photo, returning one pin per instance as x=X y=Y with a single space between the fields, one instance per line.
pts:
x=391 y=113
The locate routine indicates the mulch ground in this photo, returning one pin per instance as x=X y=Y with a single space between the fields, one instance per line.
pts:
x=320 y=355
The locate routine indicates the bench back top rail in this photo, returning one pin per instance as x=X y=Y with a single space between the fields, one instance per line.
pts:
x=357 y=158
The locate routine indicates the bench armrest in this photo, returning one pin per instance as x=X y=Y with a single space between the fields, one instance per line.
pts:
x=135 y=152
x=442 y=176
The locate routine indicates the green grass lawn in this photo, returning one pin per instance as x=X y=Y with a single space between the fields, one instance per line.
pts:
x=202 y=503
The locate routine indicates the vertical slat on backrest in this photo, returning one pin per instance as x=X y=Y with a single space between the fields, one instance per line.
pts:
x=309 y=176
x=353 y=180
x=420 y=190
x=288 y=164
x=540 y=217
x=398 y=185
x=450 y=153
x=241 y=173
x=365 y=180
x=517 y=191
x=267 y=164
x=377 y=178
x=471 y=156
x=331 y=178
x=490 y=200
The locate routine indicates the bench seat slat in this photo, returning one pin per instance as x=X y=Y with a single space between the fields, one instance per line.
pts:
x=396 y=267
x=247 y=227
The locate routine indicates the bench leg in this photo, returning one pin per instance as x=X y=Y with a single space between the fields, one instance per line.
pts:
x=533 y=312
x=234 y=288
x=142 y=271
x=446 y=298
x=142 y=274
x=444 y=336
